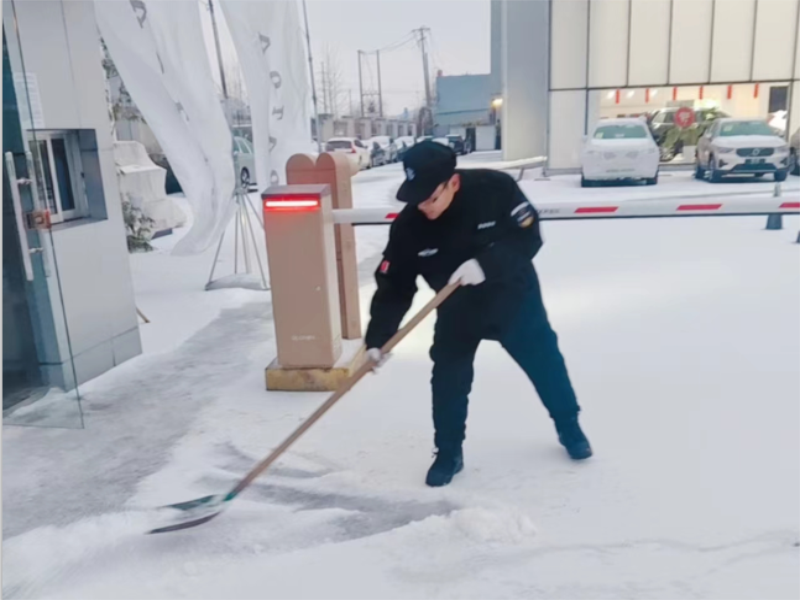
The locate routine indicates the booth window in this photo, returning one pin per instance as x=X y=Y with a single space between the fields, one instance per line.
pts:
x=67 y=174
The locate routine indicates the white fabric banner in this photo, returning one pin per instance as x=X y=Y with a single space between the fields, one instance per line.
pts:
x=270 y=43
x=159 y=51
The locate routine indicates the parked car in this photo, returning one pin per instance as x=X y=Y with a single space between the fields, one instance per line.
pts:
x=358 y=153
x=388 y=146
x=379 y=155
x=662 y=122
x=244 y=160
x=403 y=144
x=441 y=140
x=619 y=149
x=741 y=146
x=458 y=144
x=424 y=138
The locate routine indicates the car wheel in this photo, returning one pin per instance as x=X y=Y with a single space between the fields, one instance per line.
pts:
x=699 y=172
x=586 y=183
x=794 y=163
x=244 y=179
x=652 y=180
x=781 y=175
x=716 y=174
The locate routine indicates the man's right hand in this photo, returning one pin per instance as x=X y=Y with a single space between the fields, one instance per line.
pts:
x=377 y=358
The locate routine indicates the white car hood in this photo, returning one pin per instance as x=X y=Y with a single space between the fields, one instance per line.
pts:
x=749 y=141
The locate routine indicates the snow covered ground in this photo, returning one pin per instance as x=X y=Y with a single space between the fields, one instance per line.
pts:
x=683 y=340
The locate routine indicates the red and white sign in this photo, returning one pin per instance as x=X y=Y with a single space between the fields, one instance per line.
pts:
x=684 y=117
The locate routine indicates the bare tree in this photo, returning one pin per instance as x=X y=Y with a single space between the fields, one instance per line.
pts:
x=333 y=94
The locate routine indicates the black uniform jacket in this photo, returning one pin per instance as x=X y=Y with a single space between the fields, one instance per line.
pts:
x=491 y=220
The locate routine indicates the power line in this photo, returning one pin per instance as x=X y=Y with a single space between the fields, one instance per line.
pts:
x=407 y=38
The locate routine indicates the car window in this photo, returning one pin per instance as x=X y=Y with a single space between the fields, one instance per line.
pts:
x=359 y=144
x=745 y=128
x=245 y=146
x=619 y=132
x=669 y=117
x=236 y=145
x=338 y=145
x=659 y=118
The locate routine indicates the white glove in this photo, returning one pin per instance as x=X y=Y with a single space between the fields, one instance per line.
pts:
x=377 y=358
x=470 y=273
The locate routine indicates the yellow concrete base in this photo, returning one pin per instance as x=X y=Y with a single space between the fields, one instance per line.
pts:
x=317 y=379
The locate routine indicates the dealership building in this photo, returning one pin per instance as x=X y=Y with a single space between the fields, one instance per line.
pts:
x=568 y=63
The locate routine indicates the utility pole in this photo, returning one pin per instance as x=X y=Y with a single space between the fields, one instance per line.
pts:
x=219 y=53
x=380 y=94
x=360 y=85
x=422 y=31
x=313 y=85
x=324 y=86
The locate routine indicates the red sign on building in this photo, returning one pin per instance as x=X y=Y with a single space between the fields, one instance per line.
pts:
x=684 y=117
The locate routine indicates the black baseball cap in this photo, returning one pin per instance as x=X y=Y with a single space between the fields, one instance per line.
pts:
x=427 y=165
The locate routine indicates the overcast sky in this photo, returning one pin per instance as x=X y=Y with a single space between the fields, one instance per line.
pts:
x=459 y=42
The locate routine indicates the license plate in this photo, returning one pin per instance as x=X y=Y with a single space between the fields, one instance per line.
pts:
x=755 y=161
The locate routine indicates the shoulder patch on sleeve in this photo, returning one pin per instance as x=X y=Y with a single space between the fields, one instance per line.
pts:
x=523 y=214
x=384 y=268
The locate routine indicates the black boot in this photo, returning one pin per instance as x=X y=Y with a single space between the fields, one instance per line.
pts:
x=572 y=438
x=447 y=464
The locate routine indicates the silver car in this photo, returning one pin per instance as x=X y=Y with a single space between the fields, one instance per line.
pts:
x=740 y=147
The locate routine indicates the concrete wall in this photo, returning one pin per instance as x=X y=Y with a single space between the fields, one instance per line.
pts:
x=61 y=47
x=525 y=75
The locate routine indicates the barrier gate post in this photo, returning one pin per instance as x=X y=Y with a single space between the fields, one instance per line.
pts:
x=298 y=224
x=336 y=171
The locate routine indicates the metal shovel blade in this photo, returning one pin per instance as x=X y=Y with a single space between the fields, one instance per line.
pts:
x=193 y=513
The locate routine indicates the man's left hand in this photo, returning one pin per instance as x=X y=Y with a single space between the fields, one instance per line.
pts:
x=470 y=273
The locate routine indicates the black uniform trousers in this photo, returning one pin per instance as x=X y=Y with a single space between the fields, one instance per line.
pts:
x=530 y=340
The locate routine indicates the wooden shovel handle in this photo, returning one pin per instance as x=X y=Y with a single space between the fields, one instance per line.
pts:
x=346 y=386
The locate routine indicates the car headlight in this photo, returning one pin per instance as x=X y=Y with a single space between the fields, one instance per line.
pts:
x=782 y=149
x=722 y=150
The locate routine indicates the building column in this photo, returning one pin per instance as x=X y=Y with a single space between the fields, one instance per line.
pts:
x=526 y=66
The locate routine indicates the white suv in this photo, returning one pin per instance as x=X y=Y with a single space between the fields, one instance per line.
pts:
x=355 y=149
x=740 y=147
x=794 y=149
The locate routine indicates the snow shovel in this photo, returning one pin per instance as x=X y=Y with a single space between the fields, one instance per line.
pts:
x=202 y=510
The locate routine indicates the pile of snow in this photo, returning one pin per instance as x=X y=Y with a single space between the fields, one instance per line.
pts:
x=41 y=556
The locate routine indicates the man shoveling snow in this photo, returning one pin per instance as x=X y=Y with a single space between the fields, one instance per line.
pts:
x=475 y=227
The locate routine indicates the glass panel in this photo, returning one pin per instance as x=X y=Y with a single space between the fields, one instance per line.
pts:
x=39 y=375
x=44 y=175
x=65 y=190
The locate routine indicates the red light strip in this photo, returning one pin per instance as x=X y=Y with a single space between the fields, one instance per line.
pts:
x=392 y=216
x=790 y=205
x=700 y=206
x=291 y=203
x=596 y=209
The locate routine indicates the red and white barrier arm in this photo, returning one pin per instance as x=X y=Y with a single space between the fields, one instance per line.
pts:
x=632 y=209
